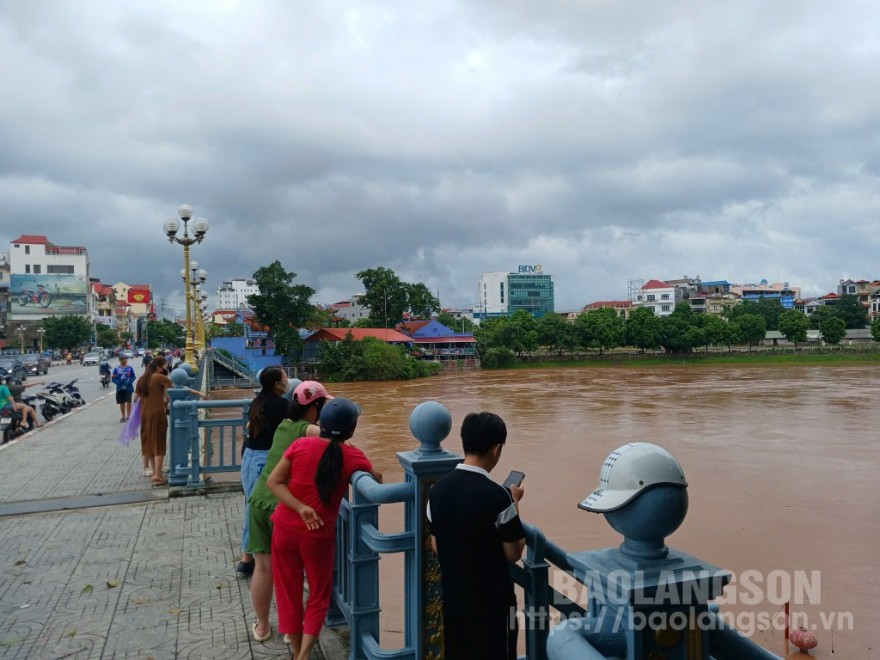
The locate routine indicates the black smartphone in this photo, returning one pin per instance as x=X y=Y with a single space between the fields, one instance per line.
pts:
x=515 y=478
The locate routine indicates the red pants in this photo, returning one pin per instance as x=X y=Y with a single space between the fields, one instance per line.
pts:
x=296 y=555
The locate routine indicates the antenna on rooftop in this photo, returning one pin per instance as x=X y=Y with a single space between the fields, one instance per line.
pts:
x=633 y=288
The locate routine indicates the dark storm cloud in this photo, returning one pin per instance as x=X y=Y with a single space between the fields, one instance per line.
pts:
x=604 y=140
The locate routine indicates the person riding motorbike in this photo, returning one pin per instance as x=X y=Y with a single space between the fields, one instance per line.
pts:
x=104 y=370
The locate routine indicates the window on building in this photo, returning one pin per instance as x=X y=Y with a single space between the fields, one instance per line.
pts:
x=639 y=297
x=27 y=249
x=27 y=268
x=651 y=297
x=664 y=308
x=664 y=296
x=59 y=270
x=38 y=268
x=651 y=307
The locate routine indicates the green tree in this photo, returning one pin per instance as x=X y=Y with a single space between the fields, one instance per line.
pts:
x=421 y=302
x=679 y=332
x=555 y=333
x=833 y=329
x=875 y=329
x=642 y=329
x=107 y=336
x=524 y=332
x=853 y=313
x=600 y=328
x=281 y=305
x=793 y=326
x=389 y=297
x=714 y=329
x=461 y=326
x=67 y=331
x=767 y=308
x=733 y=334
x=165 y=333
x=370 y=359
x=752 y=327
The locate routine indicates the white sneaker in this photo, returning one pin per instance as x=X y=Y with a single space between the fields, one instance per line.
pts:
x=165 y=468
x=148 y=472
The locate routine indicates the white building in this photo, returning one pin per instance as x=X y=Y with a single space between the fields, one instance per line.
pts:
x=233 y=294
x=660 y=297
x=47 y=280
x=493 y=295
x=351 y=309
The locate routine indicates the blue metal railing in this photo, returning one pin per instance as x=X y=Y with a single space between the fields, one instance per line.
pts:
x=360 y=542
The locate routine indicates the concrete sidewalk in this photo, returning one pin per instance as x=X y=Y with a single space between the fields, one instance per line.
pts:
x=152 y=577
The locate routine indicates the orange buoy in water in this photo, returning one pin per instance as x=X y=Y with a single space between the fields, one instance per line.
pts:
x=803 y=639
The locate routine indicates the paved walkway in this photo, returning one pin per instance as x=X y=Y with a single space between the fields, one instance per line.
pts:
x=152 y=577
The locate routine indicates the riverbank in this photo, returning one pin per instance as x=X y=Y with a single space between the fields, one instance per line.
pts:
x=755 y=358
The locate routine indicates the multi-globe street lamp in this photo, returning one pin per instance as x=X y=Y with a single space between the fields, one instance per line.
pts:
x=40 y=332
x=200 y=228
x=21 y=329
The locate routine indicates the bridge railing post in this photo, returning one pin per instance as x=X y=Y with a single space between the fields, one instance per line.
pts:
x=430 y=423
x=183 y=454
x=363 y=572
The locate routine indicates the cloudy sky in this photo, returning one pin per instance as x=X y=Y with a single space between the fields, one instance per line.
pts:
x=605 y=140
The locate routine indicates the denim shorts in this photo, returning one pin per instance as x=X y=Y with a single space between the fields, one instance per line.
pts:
x=252 y=463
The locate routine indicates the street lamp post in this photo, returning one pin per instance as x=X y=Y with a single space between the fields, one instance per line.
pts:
x=200 y=228
x=20 y=331
x=40 y=332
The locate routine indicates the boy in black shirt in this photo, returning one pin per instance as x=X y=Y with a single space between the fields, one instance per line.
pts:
x=476 y=532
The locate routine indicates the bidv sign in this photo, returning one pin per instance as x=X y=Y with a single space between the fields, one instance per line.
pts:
x=530 y=269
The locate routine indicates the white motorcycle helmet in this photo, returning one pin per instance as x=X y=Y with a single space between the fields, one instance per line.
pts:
x=630 y=470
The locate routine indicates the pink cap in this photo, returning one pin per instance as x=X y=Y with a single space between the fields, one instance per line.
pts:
x=308 y=391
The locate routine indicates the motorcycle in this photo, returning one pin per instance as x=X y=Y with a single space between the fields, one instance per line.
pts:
x=39 y=297
x=51 y=406
x=10 y=424
x=105 y=379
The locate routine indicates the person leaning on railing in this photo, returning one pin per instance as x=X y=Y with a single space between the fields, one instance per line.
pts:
x=302 y=416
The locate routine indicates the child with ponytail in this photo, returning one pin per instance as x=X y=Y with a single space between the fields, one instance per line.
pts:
x=309 y=482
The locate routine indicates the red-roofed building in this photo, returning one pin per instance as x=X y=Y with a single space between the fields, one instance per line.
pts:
x=311 y=344
x=622 y=307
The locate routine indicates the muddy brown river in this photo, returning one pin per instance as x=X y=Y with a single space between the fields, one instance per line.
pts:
x=782 y=465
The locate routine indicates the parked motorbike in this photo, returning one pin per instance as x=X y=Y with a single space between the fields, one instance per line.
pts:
x=52 y=405
x=68 y=393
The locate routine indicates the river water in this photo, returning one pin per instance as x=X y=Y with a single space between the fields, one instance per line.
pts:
x=781 y=461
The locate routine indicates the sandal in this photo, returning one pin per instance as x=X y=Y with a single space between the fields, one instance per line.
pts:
x=265 y=637
x=159 y=482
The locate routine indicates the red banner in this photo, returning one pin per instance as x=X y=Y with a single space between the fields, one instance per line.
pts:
x=138 y=296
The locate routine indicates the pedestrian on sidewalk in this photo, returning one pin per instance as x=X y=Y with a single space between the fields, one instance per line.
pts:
x=123 y=377
x=309 y=482
x=266 y=413
x=302 y=416
x=151 y=391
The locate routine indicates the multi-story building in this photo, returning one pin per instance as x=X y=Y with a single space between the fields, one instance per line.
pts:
x=503 y=294
x=45 y=280
x=781 y=291
x=658 y=296
x=233 y=293
x=4 y=296
x=621 y=307
x=352 y=309
x=867 y=293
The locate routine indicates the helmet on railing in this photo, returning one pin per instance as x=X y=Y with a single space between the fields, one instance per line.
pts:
x=630 y=470
x=339 y=419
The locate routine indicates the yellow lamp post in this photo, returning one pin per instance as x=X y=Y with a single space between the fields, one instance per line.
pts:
x=200 y=228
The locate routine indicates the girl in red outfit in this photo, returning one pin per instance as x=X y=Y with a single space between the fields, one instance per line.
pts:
x=309 y=482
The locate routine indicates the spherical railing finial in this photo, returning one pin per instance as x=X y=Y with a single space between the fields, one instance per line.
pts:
x=179 y=377
x=430 y=423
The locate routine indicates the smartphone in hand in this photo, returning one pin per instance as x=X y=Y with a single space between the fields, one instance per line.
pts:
x=515 y=478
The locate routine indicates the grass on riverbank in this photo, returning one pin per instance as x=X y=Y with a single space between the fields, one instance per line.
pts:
x=755 y=358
